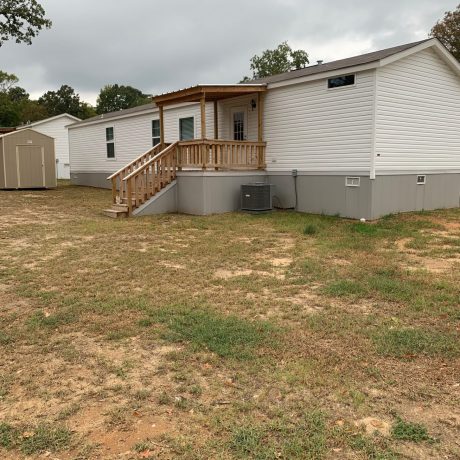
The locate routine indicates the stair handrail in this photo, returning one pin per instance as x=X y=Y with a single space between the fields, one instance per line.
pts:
x=155 y=147
x=152 y=160
x=132 y=177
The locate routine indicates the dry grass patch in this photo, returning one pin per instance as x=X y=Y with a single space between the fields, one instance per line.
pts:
x=232 y=336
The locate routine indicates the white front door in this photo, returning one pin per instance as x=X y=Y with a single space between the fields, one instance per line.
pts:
x=238 y=123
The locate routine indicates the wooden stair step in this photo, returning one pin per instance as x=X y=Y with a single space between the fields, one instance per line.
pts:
x=115 y=213
x=120 y=207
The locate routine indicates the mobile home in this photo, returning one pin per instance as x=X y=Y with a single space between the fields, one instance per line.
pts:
x=360 y=137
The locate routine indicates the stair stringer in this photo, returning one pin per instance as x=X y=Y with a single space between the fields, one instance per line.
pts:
x=163 y=202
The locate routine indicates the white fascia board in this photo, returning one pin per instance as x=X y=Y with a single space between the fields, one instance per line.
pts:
x=434 y=43
x=405 y=53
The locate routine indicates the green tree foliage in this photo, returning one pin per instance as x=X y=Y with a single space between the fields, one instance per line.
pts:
x=281 y=59
x=9 y=115
x=119 y=97
x=21 y=20
x=447 y=31
x=18 y=94
x=87 y=111
x=64 y=100
x=7 y=80
x=32 y=111
x=17 y=108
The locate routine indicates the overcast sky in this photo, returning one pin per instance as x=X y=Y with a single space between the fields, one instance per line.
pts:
x=160 y=45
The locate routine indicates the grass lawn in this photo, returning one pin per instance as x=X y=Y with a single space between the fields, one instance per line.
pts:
x=275 y=336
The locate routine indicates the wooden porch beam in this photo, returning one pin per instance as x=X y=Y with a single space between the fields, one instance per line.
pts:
x=214 y=92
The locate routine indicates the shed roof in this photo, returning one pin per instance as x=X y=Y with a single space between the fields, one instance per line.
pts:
x=46 y=120
x=20 y=131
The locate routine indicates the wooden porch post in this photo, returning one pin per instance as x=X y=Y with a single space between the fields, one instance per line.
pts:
x=203 y=116
x=162 y=127
x=204 y=148
x=260 y=129
x=216 y=121
x=260 y=117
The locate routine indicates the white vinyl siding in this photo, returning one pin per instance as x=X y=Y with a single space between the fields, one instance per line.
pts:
x=417 y=116
x=133 y=136
x=314 y=129
x=225 y=117
x=57 y=129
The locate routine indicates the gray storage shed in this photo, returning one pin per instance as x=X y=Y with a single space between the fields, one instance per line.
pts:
x=27 y=160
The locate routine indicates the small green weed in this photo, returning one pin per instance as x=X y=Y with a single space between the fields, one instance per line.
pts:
x=408 y=431
x=227 y=336
x=310 y=229
x=408 y=342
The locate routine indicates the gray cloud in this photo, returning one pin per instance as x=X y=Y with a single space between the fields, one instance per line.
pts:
x=162 y=45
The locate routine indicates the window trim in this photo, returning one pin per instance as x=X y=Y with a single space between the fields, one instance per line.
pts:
x=423 y=180
x=194 y=127
x=343 y=86
x=352 y=178
x=110 y=141
x=151 y=129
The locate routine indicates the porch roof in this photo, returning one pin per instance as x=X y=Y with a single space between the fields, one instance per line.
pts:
x=208 y=92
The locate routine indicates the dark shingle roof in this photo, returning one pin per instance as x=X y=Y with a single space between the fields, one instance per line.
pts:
x=311 y=70
x=105 y=116
x=340 y=64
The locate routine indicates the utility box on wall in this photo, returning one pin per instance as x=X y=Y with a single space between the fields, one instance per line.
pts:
x=27 y=160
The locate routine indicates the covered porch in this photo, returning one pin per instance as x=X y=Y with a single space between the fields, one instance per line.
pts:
x=150 y=173
x=212 y=150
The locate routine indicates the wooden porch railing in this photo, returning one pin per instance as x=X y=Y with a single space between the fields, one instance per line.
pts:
x=151 y=177
x=149 y=173
x=221 y=154
x=117 y=177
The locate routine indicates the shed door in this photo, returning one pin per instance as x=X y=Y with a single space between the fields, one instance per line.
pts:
x=31 y=166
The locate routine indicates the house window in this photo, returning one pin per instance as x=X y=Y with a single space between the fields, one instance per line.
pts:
x=155 y=132
x=186 y=128
x=352 y=181
x=344 y=80
x=421 y=180
x=109 y=138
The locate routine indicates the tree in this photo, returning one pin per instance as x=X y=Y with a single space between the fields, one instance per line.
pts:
x=9 y=112
x=447 y=31
x=18 y=94
x=281 y=59
x=64 y=100
x=21 y=20
x=31 y=111
x=86 y=111
x=119 y=97
x=7 y=80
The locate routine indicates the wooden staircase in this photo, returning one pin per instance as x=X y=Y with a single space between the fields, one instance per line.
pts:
x=143 y=178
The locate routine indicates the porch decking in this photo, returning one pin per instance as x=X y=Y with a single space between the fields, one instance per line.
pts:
x=148 y=174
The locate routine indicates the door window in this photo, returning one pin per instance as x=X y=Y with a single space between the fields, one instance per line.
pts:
x=238 y=126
